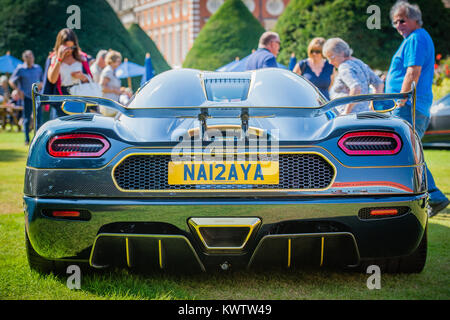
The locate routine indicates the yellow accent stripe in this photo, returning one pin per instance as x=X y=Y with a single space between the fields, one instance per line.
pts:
x=128 y=252
x=321 y=252
x=160 y=254
x=289 y=253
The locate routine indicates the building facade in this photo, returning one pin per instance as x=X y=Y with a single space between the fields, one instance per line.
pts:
x=174 y=24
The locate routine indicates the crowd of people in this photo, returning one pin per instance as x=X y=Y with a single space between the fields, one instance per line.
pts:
x=330 y=66
x=412 y=62
x=66 y=67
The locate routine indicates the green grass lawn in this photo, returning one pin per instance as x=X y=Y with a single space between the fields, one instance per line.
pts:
x=18 y=282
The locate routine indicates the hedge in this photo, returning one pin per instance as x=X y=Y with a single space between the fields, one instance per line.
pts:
x=303 y=20
x=231 y=32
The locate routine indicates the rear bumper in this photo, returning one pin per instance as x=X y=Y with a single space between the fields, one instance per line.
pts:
x=146 y=232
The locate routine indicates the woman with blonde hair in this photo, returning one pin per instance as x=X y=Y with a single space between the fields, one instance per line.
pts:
x=316 y=68
x=111 y=85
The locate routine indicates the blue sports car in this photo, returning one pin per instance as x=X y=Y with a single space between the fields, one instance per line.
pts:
x=215 y=170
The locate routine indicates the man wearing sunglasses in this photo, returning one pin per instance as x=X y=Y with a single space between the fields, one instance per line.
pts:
x=414 y=62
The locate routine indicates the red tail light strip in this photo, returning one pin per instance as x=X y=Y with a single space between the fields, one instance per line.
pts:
x=371 y=146
x=371 y=184
x=66 y=213
x=76 y=148
x=383 y=212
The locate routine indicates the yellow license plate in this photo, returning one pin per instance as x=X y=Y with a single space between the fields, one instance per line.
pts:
x=233 y=172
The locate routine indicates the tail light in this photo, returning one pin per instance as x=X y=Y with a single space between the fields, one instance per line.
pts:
x=383 y=212
x=78 y=145
x=81 y=215
x=66 y=214
x=370 y=143
x=380 y=213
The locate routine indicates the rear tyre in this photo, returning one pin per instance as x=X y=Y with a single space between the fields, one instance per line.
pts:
x=413 y=263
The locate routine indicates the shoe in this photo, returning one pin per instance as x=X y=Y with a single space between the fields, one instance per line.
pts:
x=438 y=206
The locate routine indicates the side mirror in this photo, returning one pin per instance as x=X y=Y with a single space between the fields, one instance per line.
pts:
x=74 y=107
x=383 y=105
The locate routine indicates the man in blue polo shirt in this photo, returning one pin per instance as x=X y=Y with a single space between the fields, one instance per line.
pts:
x=266 y=55
x=414 y=62
x=22 y=79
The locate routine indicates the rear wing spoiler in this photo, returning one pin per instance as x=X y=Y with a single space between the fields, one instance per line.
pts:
x=203 y=114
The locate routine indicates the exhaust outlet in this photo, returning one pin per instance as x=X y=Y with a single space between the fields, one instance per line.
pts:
x=229 y=233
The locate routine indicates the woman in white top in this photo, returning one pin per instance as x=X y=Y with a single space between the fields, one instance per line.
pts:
x=111 y=85
x=66 y=66
x=67 y=62
x=353 y=77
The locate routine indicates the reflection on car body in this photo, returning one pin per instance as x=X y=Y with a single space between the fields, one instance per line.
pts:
x=438 y=131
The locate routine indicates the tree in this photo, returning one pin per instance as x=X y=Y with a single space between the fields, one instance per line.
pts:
x=34 y=24
x=139 y=35
x=303 y=20
x=229 y=33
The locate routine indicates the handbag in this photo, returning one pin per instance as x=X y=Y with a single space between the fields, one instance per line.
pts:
x=88 y=89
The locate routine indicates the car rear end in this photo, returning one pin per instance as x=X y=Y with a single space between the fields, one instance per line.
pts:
x=97 y=196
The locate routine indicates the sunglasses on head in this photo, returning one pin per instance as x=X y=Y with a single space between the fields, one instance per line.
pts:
x=400 y=21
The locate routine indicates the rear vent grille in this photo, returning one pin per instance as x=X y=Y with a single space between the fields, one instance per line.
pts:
x=297 y=171
x=232 y=88
x=372 y=115
x=78 y=117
